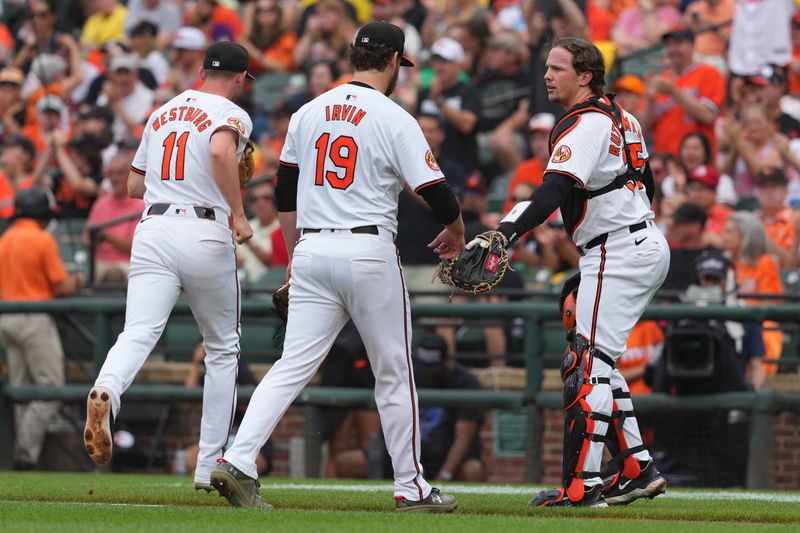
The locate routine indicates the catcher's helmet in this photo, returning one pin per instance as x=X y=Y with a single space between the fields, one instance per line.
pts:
x=568 y=301
x=32 y=203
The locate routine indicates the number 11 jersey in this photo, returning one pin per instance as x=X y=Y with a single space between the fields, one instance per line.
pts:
x=174 y=153
x=354 y=148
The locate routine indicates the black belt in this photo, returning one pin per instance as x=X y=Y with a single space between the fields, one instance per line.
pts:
x=201 y=212
x=371 y=230
x=601 y=239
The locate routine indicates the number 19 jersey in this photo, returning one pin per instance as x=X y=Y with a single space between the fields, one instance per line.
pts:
x=174 y=153
x=354 y=148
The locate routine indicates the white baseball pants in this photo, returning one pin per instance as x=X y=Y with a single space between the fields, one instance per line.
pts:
x=337 y=275
x=173 y=253
x=618 y=280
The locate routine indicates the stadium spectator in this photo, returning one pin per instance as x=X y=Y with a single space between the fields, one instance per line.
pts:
x=453 y=99
x=189 y=50
x=686 y=244
x=327 y=34
x=630 y=91
x=97 y=121
x=128 y=97
x=255 y=256
x=107 y=23
x=16 y=159
x=164 y=14
x=31 y=270
x=701 y=190
x=442 y=16
x=112 y=255
x=473 y=36
x=503 y=91
x=645 y=341
x=272 y=143
x=642 y=24
x=39 y=35
x=218 y=23
x=48 y=77
x=753 y=146
x=532 y=170
x=76 y=175
x=770 y=86
x=269 y=43
x=695 y=151
x=450 y=436
x=686 y=99
x=12 y=106
x=144 y=45
x=760 y=36
x=711 y=22
x=321 y=77
x=49 y=118
x=779 y=221
x=389 y=11
x=756 y=273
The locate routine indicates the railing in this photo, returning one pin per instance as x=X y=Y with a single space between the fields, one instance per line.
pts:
x=532 y=399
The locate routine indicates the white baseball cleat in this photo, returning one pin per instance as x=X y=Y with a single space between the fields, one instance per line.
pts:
x=97 y=436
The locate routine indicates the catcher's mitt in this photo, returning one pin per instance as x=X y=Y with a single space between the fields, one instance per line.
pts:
x=246 y=165
x=480 y=267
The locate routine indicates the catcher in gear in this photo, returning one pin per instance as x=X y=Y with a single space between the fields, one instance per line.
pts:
x=480 y=267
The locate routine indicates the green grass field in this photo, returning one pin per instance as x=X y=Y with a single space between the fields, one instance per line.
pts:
x=118 y=502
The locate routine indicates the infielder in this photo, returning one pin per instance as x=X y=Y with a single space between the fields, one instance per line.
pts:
x=186 y=170
x=599 y=175
x=346 y=156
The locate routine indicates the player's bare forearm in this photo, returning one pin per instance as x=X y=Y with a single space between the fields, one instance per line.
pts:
x=457 y=226
x=225 y=169
x=136 y=188
x=464 y=433
x=696 y=108
x=288 y=221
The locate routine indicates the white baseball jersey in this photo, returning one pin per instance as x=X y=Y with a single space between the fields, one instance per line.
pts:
x=173 y=155
x=354 y=147
x=592 y=154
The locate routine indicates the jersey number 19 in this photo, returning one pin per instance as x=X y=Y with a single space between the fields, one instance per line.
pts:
x=343 y=154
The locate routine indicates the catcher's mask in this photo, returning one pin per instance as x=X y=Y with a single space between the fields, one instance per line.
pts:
x=567 y=303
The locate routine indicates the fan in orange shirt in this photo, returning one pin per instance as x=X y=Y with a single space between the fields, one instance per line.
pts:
x=645 y=339
x=756 y=273
x=689 y=99
x=218 y=22
x=779 y=221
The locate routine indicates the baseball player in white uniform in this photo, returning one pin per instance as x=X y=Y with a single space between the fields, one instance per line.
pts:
x=186 y=171
x=599 y=176
x=345 y=160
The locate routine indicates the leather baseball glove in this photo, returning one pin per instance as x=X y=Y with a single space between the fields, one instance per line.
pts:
x=480 y=267
x=280 y=302
x=246 y=165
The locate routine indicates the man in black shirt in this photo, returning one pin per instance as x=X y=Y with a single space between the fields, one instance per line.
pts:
x=452 y=99
x=451 y=444
x=504 y=90
x=685 y=239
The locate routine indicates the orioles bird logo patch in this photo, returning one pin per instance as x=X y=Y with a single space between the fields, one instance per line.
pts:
x=236 y=123
x=431 y=161
x=562 y=154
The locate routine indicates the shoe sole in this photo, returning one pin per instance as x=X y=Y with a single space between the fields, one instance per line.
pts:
x=229 y=488
x=429 y=508
x=97 y=433
x=203 y=486
x=655 y=488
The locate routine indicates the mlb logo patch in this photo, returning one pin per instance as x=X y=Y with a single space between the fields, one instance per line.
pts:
x=215 y=63
x=190 y=99
x=492 y=262
x=365 y=39
x=350 y=97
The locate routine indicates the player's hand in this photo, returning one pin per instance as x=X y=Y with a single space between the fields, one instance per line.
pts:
x=447 y=244
x=242 y=231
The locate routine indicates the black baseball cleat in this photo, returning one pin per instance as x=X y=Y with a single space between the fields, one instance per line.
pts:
x=237 y=487
x=592 y=497
x=621 y=490
x=435 y=502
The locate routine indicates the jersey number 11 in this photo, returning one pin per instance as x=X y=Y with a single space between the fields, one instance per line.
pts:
x=180 y=158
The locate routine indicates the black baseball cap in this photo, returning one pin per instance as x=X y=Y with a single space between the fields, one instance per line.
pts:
x=679 y=32
x=711 y=264
x=771 y=175
x=145 y=27
x=383 y=33
x=227 y=56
